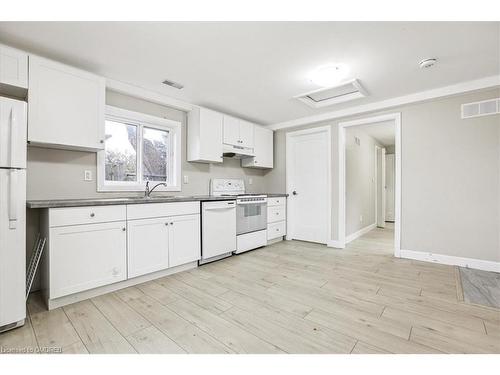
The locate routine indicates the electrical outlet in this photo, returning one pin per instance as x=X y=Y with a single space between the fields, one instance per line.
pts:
x=186 y=179
x=87 y=175
x=360 y=218
x=250 y=181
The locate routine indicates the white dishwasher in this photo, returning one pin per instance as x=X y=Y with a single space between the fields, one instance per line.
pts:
x=218 y=230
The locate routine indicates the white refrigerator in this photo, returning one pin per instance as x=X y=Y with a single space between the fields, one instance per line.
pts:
x=13 y=128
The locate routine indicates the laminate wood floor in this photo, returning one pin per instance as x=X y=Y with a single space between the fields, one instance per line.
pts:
x=291 y=297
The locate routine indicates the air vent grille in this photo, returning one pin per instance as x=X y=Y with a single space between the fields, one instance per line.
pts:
x=482 y=108
x=333 y=95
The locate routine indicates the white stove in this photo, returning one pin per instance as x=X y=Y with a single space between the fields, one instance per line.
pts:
x=251 y=212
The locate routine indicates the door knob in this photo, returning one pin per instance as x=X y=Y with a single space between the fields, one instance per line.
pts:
x=294 y=192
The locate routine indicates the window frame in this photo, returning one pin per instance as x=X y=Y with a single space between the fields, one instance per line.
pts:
x=142 y=120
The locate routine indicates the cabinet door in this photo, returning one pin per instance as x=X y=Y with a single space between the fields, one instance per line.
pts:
x=184 y=241
x=246 y=134
x=263 y=149
x=211 y=129
x=83 y=257
x=147 y=246
x=12 y=133
x=231 y=131
x=66 y=106
x=13 y=67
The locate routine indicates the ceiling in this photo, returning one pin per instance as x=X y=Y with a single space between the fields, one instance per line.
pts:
x=383 y=132
x=253 y=69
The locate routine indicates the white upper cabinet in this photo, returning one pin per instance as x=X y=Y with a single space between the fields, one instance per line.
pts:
x=204 y=136
x=13 y=71
x=238 y=132
x=66 y=106
x=247 y=134
x=263 y=149
x=12 y=133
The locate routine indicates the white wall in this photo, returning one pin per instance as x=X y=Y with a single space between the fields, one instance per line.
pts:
x=360 y=180
x=450 y=177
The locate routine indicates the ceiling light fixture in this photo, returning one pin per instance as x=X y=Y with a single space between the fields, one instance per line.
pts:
x=329 y=75
x=427 y=63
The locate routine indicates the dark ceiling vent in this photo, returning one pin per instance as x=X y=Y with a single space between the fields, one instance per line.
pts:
x=173 y=84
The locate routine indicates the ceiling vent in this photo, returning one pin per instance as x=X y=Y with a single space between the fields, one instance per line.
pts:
x=173 y=84
x=483 y=108
x=333 y=95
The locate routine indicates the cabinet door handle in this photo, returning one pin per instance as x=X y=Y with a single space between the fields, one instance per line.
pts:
x=166 y=224
x=101 y=141
x=92 y=214
x=171 y=223
x=124 y=229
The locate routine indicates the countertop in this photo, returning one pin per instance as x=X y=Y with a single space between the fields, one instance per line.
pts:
x=54 y=203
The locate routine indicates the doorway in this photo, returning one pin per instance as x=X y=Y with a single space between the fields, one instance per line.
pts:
x=308 y=180
x=379 y=187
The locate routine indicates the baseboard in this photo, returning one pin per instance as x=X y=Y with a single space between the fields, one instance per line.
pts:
x=485 y=265
x=336 y=244
x=360 y=232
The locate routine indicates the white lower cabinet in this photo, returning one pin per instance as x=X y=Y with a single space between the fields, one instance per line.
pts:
x=276 y=218
x=184 y=240
x=148 y=241
x=83 y=257
x=91 y=247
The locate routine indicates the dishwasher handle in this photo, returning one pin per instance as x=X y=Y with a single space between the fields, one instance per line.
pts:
x=227 y=206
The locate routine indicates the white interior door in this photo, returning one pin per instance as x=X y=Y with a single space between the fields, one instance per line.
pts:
x=381 y=196
x=389 y=181
x=308 y=183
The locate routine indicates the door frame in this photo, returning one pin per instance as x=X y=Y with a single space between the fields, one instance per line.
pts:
x=341 y=199
x=382 y=175
x=289 y=183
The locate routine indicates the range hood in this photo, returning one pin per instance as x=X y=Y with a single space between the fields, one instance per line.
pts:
x=236 y=152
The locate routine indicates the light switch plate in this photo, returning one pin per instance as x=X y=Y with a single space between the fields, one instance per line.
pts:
x=250 y=181
x=186 y=179
x=87 y=175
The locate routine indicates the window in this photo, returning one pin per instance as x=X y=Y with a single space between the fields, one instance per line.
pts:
x=138 y=148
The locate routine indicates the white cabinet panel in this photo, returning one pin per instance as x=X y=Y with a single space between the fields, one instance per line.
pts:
x=276 y=213
x=13 y=71
x=276 y=230
x=150 y=210
x=263 y=149
x=148 y=242
x=184 y=240
x=12 y=133
x=66 y=106
x=246 y=134
x=204 y=136
x=83 y=257
x=276 y=201
x=231 y=130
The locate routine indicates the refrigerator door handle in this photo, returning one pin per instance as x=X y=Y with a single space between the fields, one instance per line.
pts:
x=13 y=135
x=13 y=186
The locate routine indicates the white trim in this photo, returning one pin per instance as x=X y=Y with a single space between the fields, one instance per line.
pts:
x=148 y=121
x=336 y=244
x=151 y=96
x=289 y=183
x=459 y=88
x=360 y=232
x=485 y=265
x=341 y=217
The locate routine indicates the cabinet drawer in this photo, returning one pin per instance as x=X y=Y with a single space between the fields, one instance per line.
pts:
x=86 y=215
x=276 y=201
x=276 y=213
x=276 y=230
x=150 y=210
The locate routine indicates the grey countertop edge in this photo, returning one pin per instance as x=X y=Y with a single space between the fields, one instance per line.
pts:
x=57 y=203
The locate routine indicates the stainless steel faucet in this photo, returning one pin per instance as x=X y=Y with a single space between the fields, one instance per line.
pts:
x=148 y=191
